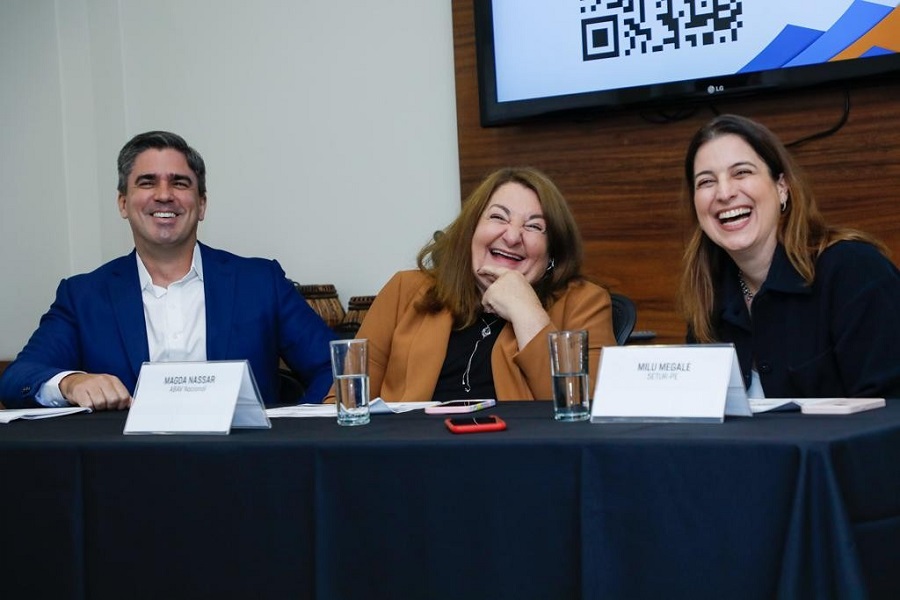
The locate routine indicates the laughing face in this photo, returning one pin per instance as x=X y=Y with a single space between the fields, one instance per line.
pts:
x=738 y=204
x=162 y=202
x=511 y=234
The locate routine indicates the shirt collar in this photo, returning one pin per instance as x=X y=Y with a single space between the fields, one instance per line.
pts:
x=196 y=268
x=782 y=277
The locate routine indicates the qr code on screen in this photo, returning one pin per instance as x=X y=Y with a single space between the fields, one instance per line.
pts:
x=617 y=28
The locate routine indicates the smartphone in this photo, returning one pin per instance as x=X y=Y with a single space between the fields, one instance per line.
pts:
x=475 y=424
x=459 y=406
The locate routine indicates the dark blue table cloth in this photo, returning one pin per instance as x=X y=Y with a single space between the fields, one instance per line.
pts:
x=775 y=506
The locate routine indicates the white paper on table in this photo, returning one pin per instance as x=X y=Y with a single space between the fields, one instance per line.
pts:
x=761 y=405
x=376 y=407
x=11 y=414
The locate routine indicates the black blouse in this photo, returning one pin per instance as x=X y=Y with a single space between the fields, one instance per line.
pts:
x=467 y=372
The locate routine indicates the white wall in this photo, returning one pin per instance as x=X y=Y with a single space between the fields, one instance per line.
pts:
x=328 y=129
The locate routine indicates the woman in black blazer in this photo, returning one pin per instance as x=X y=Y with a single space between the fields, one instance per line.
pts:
x=813 y=310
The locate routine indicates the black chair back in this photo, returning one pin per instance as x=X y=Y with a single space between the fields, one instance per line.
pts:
x=624 y=317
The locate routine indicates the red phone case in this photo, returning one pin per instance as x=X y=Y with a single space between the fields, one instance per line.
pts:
x=498 y=424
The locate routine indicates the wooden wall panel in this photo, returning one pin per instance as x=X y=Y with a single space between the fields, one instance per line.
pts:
x=621 y=173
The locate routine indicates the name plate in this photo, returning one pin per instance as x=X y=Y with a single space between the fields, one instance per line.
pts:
x=196 y=397
x=700 y=383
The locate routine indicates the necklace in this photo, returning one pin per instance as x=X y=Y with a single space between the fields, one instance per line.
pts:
x=485 y=332
x=745 y=289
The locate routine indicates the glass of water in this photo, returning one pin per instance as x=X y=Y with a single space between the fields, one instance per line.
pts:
x=569 y=370
x=350 y=366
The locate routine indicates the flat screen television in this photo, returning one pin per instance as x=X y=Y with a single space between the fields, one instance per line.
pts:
x=538 y=57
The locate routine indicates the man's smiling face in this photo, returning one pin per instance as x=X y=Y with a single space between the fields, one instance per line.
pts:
x=162 y=202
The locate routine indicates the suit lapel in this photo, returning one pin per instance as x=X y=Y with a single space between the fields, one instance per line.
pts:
x=426 y=355
x=127 y=307
x=219 y=290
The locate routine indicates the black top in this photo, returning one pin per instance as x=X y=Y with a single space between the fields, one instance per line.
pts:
x=469 y=348
x=834 y=338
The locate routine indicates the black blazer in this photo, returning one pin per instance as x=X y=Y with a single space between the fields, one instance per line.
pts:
x=839 y=337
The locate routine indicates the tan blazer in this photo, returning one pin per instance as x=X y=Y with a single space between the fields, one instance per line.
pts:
x=407 y=348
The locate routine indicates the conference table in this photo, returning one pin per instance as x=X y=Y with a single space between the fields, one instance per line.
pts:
x=780 y=505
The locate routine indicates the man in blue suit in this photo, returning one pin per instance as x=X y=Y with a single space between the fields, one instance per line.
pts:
x=171 y=299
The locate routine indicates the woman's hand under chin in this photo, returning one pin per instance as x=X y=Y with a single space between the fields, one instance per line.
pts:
x=511 y=297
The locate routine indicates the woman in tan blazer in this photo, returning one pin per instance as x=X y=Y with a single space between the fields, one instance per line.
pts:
x=472 y=320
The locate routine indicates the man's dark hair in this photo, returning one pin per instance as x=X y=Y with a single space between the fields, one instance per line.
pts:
x=159 y=140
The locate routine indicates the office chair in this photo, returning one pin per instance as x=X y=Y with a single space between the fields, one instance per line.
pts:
x=624 y=317
x=290 y=386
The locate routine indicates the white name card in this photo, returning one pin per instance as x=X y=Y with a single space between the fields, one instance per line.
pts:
x=196 y=397
x=669 y=383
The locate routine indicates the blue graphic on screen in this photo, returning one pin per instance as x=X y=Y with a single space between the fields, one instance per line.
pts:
x=798 y=46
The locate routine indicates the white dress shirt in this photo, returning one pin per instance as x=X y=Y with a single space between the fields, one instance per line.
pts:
x=175 y=318
x=756 y=388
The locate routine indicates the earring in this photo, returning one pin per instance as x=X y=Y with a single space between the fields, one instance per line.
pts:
x=783 y=204
x=551 y=265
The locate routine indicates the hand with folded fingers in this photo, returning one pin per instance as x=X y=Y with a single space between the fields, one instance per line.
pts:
x=95 y=391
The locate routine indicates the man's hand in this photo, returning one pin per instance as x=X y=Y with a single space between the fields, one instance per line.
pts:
x=98 y=392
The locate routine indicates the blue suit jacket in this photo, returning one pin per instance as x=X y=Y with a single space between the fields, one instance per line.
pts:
x=96 y=325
